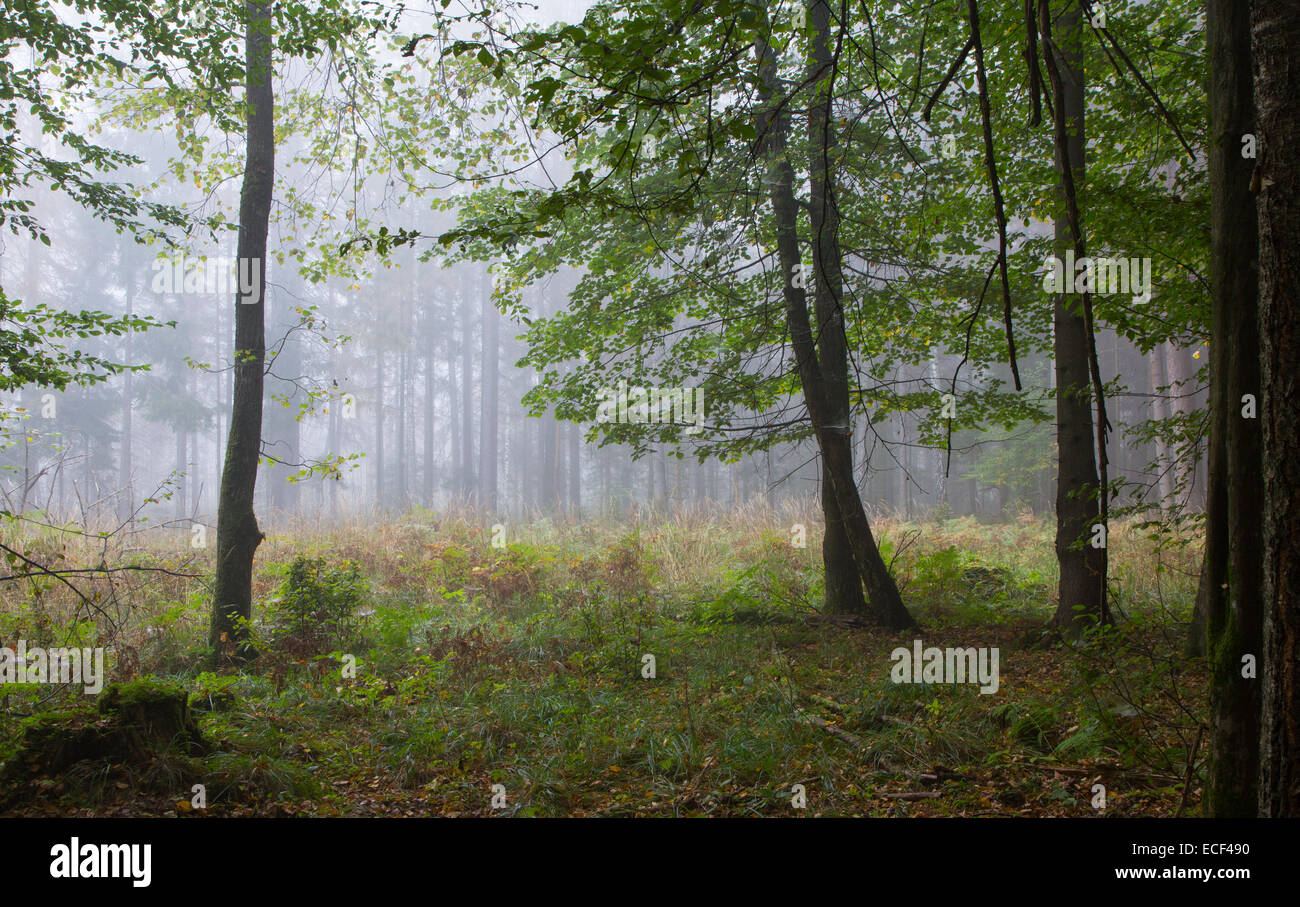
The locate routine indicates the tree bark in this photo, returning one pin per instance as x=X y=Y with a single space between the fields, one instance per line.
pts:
x=467 y=396
x=488 y=418
x=1081 y=594
x=126 y=509
x=834 y=436
x=381 y=499
x=1160 y=410
x=1233 y=612
x=1275 y=27
x=1232 y=620
x=430 y=374
x=238 y=534
x=575 y=472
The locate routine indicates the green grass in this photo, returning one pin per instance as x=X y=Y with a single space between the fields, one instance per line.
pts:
x=522 y=667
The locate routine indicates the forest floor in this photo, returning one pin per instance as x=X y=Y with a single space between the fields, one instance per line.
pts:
x=524 y=666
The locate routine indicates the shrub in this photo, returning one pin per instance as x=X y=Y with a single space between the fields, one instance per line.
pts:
x=315 y=605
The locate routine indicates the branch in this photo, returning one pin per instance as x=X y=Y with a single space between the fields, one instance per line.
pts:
x=992 y=164
x=952 y=71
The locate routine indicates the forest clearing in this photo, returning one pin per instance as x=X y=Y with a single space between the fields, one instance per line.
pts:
x=523 y=665
x=734 y=409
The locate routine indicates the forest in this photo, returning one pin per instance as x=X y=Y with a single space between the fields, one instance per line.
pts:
x=655 y=408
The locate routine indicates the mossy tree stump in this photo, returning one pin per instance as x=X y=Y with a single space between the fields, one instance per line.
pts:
x=134 y=723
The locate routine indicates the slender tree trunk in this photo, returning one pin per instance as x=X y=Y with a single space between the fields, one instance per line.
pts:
x=128 y=394
x=1181 y=374
x=834 y=437
x=332 y=445
x=650 y=484
x=453 y=412
x=430 y=373
x=467 y=396
x=238 y=534
x=488 y=419
x=381 y=499
x=403 y=382
x=1160 y=409
x=575 y=472
x=1276 y=35
x=1081 y=594
x=196 y=474
x=180 y=469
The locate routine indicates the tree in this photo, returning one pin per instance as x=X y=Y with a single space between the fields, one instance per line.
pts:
x=821 y=358
x=489 y=431
x=1275 y=34
x=111 y=38
x=1233 y=548
x=238 y=534
x=1079 y=494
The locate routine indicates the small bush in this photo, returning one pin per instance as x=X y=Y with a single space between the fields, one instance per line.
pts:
x=314 y=611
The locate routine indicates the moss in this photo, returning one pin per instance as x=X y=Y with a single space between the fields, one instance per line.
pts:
x=212 y=701
x=51 y=741
x=138 y=723
x=148 y=692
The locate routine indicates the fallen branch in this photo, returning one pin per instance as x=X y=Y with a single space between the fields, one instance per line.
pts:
x=915 y=795
x=817 y=721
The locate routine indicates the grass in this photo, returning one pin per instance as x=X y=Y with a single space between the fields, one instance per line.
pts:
x=525 y=667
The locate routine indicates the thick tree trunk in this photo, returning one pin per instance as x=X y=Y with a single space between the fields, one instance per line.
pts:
x=843 y=582
x=1081 y=594
x=1233 y=610
x=238 y=534
x=1195 y=645
x=1276 y=35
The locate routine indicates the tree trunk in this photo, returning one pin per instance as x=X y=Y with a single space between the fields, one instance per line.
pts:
x=822 y=389
x=453 y=413
x=1081 y=593
x=181 y=469
x=430 y=373
x=381 y=499
x=575 y=472
x=467 y=396
x=488 y=419
x=238 y=534
x=127 y=508
x=1233 y=613
x=281 y=428
x=403 y=382
x=1276 y=35
x=1160 y=409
